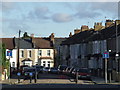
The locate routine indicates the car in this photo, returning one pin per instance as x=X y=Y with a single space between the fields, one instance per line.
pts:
x=30 y=72
x=69 y=71
x=46 y=69
x=39 y=68
x=62 y=68
x=84 y=73
x=73 y=73
x=54 y=70
x=66 y=70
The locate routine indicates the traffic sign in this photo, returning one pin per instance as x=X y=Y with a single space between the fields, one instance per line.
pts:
x=9 y=53
x=106 y=55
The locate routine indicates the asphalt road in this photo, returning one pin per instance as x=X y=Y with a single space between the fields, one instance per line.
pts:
x=60 y=86
x=46 y=80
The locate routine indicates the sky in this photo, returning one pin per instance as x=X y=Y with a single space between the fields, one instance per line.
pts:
x=60 y=18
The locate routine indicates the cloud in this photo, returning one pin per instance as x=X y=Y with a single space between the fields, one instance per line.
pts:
x=96 y=9
x=110 y=7
x=87 y=14
x=62 y=17
x=39 y=13
x=6 y=6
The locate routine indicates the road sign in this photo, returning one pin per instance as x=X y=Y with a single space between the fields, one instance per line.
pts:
x=9 y=53
x=106 y=55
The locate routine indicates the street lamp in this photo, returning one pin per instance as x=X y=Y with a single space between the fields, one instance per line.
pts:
x=117 y=55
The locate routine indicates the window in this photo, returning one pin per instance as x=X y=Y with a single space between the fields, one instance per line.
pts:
x=40 y=52
x=48 y=61
x=22 y=53
x=48 y=52
x=44 y=65
x=43 y=61
x=13 y=64
x=48 y=65
x=30 y=54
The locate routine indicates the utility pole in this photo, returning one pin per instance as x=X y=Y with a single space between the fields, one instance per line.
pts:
x=18 y=63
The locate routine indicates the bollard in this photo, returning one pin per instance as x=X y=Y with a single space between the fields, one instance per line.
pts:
x=35 y=80
x=18 y=74
x=30 y=79
x=76 y=77
x=110 y=77
x=30 y=74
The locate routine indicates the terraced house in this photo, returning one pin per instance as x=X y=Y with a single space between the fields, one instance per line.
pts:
x=86 y=47
x=32 y=51
x=43 y=51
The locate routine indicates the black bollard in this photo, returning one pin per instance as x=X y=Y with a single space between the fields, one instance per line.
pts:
x=30 y=74
x=30 y=79
x=76 y=77
x=18 y=74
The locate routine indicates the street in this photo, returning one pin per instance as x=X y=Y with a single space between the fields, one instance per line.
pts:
x=46 y=80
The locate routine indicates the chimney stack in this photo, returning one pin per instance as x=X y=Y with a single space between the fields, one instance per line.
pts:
x=32 y=35
x=108 y=23
x=117 y=22
x=70 y=35
x=98 y=26
x=52 y=37
x=76 y=31
x=84 y=28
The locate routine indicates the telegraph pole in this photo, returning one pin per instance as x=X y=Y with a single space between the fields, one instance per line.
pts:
x=18 y=63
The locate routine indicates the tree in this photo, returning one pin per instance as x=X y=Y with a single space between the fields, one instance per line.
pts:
x=4 y=62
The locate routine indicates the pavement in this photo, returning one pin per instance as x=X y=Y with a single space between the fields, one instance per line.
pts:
x=95 y=80
x=98 y=80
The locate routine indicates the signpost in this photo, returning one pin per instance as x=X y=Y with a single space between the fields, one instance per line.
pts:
x=106 y=56
x=9 y=53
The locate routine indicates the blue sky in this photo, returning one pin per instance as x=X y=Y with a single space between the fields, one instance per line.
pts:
x=61 y=18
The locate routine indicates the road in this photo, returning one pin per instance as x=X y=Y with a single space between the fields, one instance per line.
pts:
x=56 y=81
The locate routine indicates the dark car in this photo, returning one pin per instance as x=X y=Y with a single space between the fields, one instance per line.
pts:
x=66 y=71
x=62 y=68
x=54 y=70
x=84 y=73
x=39 y=68
x=30 y=72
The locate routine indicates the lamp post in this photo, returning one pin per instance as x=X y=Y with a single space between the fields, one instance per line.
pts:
x=110 y=70
x=18 y=63
x=117 y=55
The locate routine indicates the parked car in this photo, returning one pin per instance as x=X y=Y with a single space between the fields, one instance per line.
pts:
x=83 y=73
x=28 y=71
x=73 y=73
x=39 y=68
x=46 y=69
x=69 y=71
x=66 y=70
x=62 y=68
x=54 y=70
